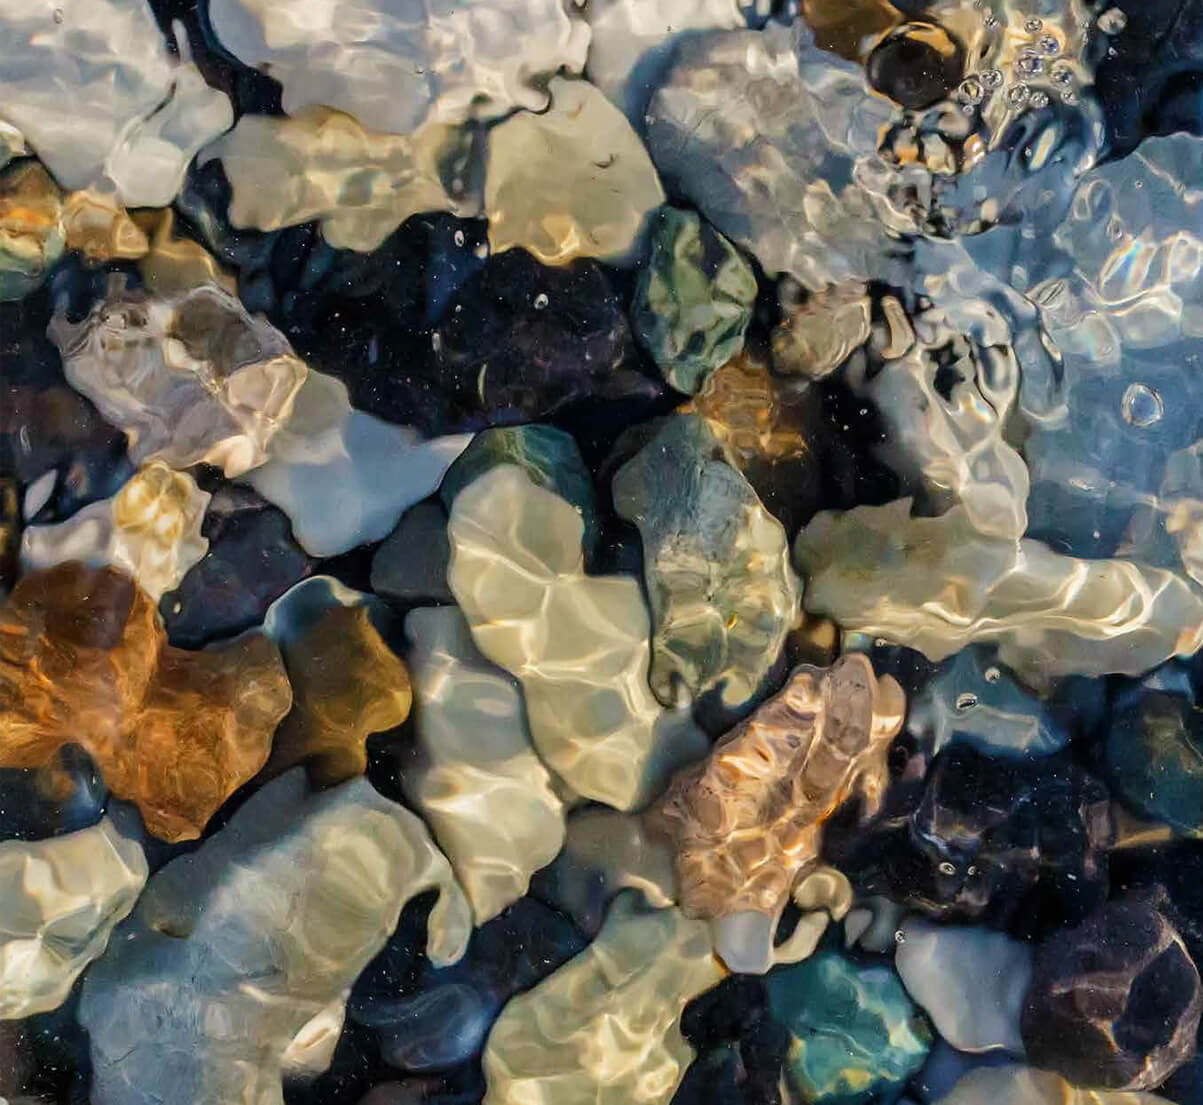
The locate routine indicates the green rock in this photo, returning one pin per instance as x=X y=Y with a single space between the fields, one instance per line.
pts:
x=716 y=565
x=694 y=299
x=549 y=457
x=855 y=1034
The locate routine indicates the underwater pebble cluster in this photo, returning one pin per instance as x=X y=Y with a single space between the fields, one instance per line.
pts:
x=639 y=552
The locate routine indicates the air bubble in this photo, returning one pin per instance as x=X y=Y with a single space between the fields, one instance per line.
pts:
x=971 y=91
x=1034 y=26
x=993 y=675
x=899 y=937
x=1069 y=96
x=1017 y=95
x=966 y=701
x=541 y=301
x=1039 y=99
x=947 y=868
x=1141 y=406
x=1062 y=73
x=992 y=78
x=59 y=15
x=1112 y=21
x=1029 y=64
x=459 y=238
x=1048 y=44
x=991 y=21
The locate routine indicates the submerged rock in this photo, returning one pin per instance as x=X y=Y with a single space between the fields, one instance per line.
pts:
x=716 y=565
x=1115 y=1002
x=150 y=530
x=411 y=564
x=605 y=1028
x=578 y=644
x=1014 y=1085
x=32 y=235
x=61 y=900
x=573 y=181
x=478 y=782
x=748 y=821
x=236 y=948
x=694 y=299
x=189 y=378
x=86 y=660
x=854 y=1033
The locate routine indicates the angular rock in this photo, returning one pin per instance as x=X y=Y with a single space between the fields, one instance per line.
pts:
x=605 y=1028
x=573 y=181
x=1115 y=1002
x=189 y=378
x=98 y=226
x=854 y=1032
x=394 y=67
x=971 y=982
x=748 y=821
x=252 y=560
x=100 y=98
x=150 y=530
x=776 y=142
x=347 y=683
x=31 y=228
x=321 y=164
x=485 y=794
x=716 y=565
x=819 y=331
x=85 y=660
x=937 y=584
x=578 y=644
x=235 y=948
x=343 y=477
x=693 y=301
x=520 y=341
x=410 y=566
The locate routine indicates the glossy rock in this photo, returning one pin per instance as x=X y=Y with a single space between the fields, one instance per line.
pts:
x=32 y=235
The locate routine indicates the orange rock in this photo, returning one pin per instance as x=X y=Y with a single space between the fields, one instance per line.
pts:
x=747 y=821
x=84 y=659
x=348 y=684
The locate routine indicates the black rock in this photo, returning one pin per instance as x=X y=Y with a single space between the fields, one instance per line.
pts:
x=410 y=567
x=916 y=64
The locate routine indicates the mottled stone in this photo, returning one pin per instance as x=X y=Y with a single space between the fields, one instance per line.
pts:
x=971 y=982
x=854 y=1033
x=189 y=378
x=605 y=1028
x=85 y=660
x=1014 y=1085
x=573 y=181
x=101 y=99
x=252 y=560
x=520 y=341
x=346 y=682
x=61 y=900
x=693 y=301
x=396 y=66
x=776 y=142
x=343 y=477
x=321 y=164
x=1154 y=758
x=819 y=331
x=747 y=822
x=99 y=227
x=411 y=564
x=31 y=228
x=484 y=792
x=716 y=565
x=236 y=948
x=150 y=530
x=1018 y=843
x=578 y=644
x=938 y=584
x=1115 y=1002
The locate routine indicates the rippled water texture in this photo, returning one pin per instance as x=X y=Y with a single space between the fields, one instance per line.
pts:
x=601 y=552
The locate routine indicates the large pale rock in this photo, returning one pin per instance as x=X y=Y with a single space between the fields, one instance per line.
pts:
x=150 y=530
x=61 y=898
x=716 y=565
x=605 y=1028
x=578 y=644
x=395 y=64
x=235 y=949
x=574 y=181
x=937 y=584
x=484 y=792
x=96 y=93
x=189 y=378
x=1016 y=1085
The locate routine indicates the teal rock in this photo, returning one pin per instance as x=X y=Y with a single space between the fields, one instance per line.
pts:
x=548 y=456
x=1154 y=759
x=694 y=299
x=855 y=1034
x=716 y=564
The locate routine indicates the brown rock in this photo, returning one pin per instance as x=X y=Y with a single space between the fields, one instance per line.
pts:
x=349 y=684
x=84 y=659
x=748 y=820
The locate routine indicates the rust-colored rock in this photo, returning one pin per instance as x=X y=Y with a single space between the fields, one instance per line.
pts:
x=348 y=685
x=748 y=821
x=84 y=659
